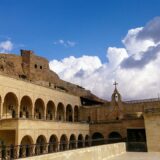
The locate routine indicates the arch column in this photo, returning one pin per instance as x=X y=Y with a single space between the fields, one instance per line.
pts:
x=33 y=115
x=45 y=117
x=1 y=108
x=65 y=115
x=55 y=117
x=18 y=110
x=73 y=116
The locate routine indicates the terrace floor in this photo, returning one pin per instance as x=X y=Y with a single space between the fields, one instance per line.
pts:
x=138 y=156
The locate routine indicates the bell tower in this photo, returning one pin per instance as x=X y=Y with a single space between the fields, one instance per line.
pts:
x=116 y=103
x=116 y=97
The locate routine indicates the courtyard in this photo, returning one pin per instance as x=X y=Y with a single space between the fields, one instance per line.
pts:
x=138 y=156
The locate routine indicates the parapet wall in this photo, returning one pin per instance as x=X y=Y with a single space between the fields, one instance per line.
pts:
x=103 y=152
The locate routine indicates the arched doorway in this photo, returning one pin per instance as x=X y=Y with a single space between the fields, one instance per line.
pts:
x=10 y=106
x=50 y=112
x=26 y=107
x=53 y=144
x=39 y=109
x=97 y=139
x=80 y=141
x=114 y=137
x=40 y=145
x=72 y=142
x=26 y=147
x=87 y=141
x=63 y=143
x=69 y=113
x=60 y=112
x=76 y=114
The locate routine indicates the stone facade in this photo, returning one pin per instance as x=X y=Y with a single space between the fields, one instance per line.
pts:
x=104 y=152
x=37 y=107
x=152 y=125
x=33 y=68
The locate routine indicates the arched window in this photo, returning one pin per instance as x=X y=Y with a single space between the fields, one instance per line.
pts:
x=97 y=139
x=40 y=145
x=53 y=144
x=10 y=105
x=50 y=112
x=72 y=142
x=114 y=137
x=80 y=141
x=69 y=113
x=26 y=107
x=60 y=112
x=39 y=109
x=26 y=147
x=63 y=143
x=76 y=114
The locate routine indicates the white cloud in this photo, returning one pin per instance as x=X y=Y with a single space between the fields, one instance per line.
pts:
x=135 y=67
x=64 y=43
x=6 y=46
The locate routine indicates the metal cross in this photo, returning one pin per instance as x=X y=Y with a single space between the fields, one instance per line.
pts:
x=115 y=84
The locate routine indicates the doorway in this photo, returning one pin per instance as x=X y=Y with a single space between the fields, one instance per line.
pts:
x=136 y=140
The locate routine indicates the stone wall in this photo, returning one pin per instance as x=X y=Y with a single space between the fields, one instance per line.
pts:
x=152 y=126
x=28 y=66
x=116 y=126
x=103 y=152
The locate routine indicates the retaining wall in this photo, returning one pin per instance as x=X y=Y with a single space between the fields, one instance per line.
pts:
x=103 y=152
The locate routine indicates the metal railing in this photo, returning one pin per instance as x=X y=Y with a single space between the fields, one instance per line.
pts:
x=28 y=150
x=42 y=118
x=152 y=110
x=143 y=100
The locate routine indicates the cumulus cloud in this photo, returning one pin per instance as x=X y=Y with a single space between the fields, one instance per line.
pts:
x=64 y=43
x=135 y=67
x=6 y=46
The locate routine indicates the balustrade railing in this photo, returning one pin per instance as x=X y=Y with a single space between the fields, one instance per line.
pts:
x=28 y=150
x=42 y=118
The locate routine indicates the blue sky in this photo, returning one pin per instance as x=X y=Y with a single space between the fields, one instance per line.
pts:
x=90 y=25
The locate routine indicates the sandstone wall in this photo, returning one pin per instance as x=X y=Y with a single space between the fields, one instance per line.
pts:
x=103 y=152
x=152 y=126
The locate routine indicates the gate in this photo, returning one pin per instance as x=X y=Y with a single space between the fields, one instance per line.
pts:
x=136 y=140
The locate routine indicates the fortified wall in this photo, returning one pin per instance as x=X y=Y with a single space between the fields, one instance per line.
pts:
x=33 y=68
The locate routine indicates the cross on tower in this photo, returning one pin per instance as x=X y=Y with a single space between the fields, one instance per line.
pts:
x=115 y=84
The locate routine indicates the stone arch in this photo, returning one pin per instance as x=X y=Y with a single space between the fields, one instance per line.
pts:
x=114 y=137
x=53 y=144
x=26 y=146
x=87 y=141
x=69 y=113
x=72 y=142
x=63 y=143
x=50 y=111
x=80 y=141
x=26 y=106
x=76 y=114
x=39 y=109
x=10 y=105
x=40 y=145
x=60 y=112
x=97 y=138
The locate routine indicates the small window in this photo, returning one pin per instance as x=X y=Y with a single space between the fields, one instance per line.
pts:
x=40 y=67
x=35 y=66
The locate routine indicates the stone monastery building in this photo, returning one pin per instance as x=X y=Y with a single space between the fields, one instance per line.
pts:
x=40 y=113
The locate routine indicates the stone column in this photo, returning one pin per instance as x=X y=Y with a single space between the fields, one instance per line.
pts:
x=18 y=110
x=73 y=116
x=64 y=116
x=1 y=109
